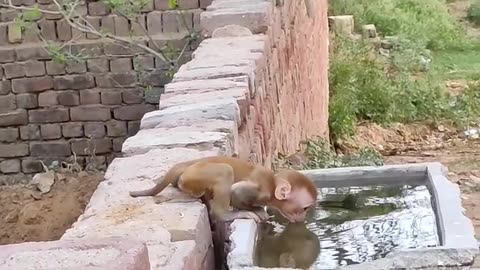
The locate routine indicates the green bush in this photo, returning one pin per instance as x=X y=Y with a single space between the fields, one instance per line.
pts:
x=473 y=12
x=364 y=86
x=425 y=22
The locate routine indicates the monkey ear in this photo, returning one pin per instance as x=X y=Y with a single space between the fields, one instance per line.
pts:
x=282 y=189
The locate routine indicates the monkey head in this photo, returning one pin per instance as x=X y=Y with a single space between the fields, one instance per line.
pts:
x=294 y=195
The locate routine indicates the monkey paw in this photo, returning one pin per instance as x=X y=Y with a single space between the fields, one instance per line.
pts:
x=241 y=215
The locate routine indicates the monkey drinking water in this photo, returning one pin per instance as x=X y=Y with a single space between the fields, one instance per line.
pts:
x=227 y=181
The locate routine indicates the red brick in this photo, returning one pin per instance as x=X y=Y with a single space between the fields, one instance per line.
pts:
x=7 y=55
x=55 y=149
x=154 y=22
x=161 y=4
x=64 y=30
x=121 y=64
x=13 y=118
x=121 y=26
x=98 y=65
x=34 y=68
x=85 y=147
x=8 y=135
x=7 y=103
x=107 y=24
x=95 y=23
x=30 y=132
x=10 y=166
x=111 y=97
x=139 y=26
x=48 y=29
x=32 y=52
x=72 y=130
x=97 y=9
x=14 y=150
x=48 y=98
x=14 y=70
x=132 y=112
x=31 y=85
x=133 y=127
x=116 y=128
x=50 y=115
x=89 y=97
x=94 y=130
x=5 y=87
x=114 y=80
x=50 y=131
x=188 y=4
x=81 y=81
x=132 y=96
x=27 y=101
x=68 y=98
x=55 y=68
x=169 y=21
x=78 y=67
x=90 y=113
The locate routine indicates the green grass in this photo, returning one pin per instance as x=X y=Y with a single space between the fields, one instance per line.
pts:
x=457 y=64
x=473 y=12
x=364 y=86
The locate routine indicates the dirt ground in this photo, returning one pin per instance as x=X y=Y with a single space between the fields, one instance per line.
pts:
x=27 y=215
x=426 y=143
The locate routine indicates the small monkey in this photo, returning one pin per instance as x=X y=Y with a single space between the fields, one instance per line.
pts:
x=228 y=181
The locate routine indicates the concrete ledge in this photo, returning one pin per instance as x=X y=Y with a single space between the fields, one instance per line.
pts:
x=100 y=253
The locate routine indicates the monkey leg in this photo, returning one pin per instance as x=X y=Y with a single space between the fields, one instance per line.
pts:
x=246 y=196
x=202 y=177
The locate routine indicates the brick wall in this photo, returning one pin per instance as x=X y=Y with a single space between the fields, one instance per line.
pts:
x=49 y=110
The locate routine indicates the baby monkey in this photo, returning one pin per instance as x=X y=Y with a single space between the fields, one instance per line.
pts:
x=228 y=181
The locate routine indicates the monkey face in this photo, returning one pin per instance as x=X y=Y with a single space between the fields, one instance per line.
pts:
x=295 y=207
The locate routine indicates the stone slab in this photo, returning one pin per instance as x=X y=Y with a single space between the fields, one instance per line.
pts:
x=149 y=139
x=186 y=115
x=102 y=253
x=254 y=16
x=177 y=234
x=242 y=243
x=206 y=86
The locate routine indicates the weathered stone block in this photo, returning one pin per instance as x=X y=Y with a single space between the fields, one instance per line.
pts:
x=94 y=129
x=132 y=96
x=51 y=148
x=157 y=78
x=34 y=68
x=133 y=127
x=14 y=70
x=7 y=55
x=95 y=23
x=161 y=5
x=68 y=98
x=90 y=113
x=13 y=150
x=5 y=87
x=64 y=30
x=97 y=9
x=50 y=115
x=14 y=33
x=154 y=22
x=90 y=97
x=108 y=24
x=86 y=147
x=111 y=97
x=8 y=15
x=121 y=64
x=48 y=29
x=342 y=24
x=205 y=3
x=109 y=254
x=138 y=28
x=50 y=16
x=31 y=166
x=48 y=98
x=98 y=65
x=31 y=85
x=90 y=48
x=30 y=132
x=170 y=21
x=72 y=130
x=7 y=103
x=80 y=81
x=117 y=144
x=121 y=26
x=8 y=134
x=10 y=166
x=32 y=52
x=51 y=131
x=114 y=49
x=113 y=80
x=3 y=32
x=27 y=101
x=13 y=118
x=144 y=62
x=75 y=68
x=116 y=128
x=55 y=68
x=30 y=35
x=132 y=112
x=188 y=4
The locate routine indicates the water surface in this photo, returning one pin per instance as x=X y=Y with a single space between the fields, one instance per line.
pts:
x=352 y=225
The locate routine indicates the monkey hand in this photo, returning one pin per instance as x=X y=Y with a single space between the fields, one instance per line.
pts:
x=262 y=214
x=230 y=216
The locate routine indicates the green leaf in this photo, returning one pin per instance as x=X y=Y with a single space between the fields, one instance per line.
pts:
x=32 y=15
x=172 y=4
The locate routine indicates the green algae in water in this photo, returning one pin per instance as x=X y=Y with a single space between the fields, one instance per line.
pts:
x=352 y=225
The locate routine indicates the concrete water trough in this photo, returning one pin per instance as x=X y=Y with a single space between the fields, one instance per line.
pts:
x=455 y=244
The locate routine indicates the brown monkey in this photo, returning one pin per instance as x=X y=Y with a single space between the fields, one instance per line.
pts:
x=294 y=247
x=221 y=178
x=291 y=193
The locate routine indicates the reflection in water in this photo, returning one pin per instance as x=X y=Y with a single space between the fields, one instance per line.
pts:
x=354 y=225
x=294 y=247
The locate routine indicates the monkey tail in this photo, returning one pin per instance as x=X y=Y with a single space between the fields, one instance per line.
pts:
x=171 y=177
